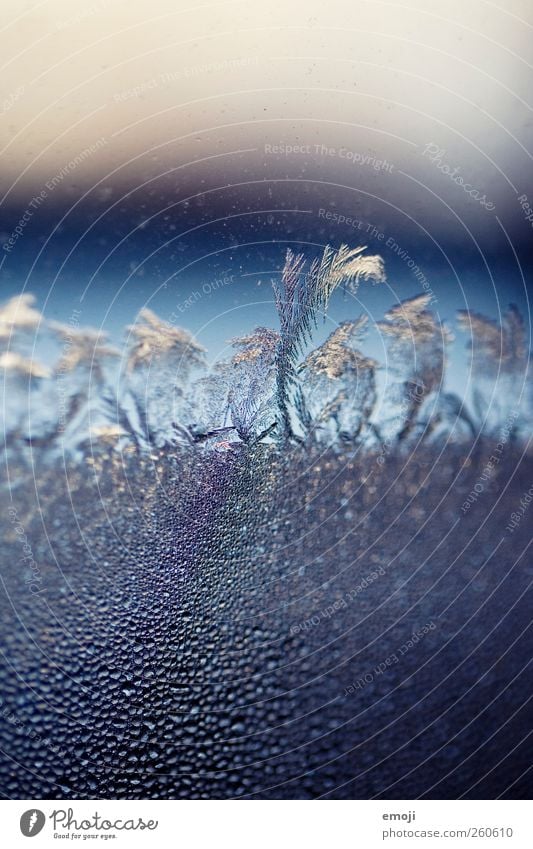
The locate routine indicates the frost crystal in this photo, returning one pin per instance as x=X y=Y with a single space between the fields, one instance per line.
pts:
x=85 y=397
x=160 y=360
x=301 y=298
x=251 y=397
x=339 y=388
x=238 y=394
x=417 y=349
x=21 y=378
x=272 y=387
x=500 y=370
x=18 y=313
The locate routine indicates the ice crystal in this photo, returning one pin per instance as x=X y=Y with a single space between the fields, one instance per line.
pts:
x=22 y=366
x=237 y=396
x=251 y=397
x=416 y=369
x=85 y=397
x=257 y=347
x=18 y=313
x=500 y=369
x=496 y=348
x=21 y=378
x=159 y=362
x=338 y=392
x=154 y=339
x=300 y=298
x=207 y=405
x=83 y=349
x=273 y=386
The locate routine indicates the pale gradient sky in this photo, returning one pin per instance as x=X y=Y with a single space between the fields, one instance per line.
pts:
x=166 y=82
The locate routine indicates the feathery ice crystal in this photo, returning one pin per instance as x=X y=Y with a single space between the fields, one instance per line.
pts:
x=275 y=387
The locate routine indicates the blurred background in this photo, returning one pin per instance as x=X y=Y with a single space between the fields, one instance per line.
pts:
x=152 y=150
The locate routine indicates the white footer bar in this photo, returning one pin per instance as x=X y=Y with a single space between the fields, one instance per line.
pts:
x=195 y=824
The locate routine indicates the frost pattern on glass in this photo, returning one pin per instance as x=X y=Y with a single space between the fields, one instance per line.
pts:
x=276 y=389
x=160 y=359
x=338 y=392
x=208 y=571
x=160 y=391
x=501 y=371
